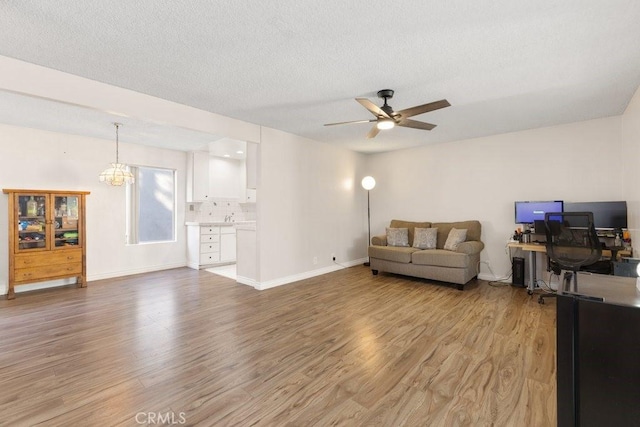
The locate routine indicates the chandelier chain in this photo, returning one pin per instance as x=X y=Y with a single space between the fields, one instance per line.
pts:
x=117 y=125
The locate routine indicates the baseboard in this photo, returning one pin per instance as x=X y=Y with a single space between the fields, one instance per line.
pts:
x=297 y=277
x=247 y=281
x=354 y=262
x=148 y=269
x=40 y=285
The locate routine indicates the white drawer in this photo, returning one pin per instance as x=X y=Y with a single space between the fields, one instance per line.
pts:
x=206 y=248
x=209 y=230
x=211 y=258
x=209 y=238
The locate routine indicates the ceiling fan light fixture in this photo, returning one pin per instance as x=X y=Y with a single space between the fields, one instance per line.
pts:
x=384 y=124
x=387 y=118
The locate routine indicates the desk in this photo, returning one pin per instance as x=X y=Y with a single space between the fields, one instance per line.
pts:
x=532 y=248
x=598 y=374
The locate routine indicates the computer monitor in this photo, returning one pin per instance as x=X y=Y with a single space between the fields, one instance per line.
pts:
x=606 y=215
x=526 y=212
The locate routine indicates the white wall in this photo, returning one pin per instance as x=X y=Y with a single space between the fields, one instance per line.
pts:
x=310 y=206
x=481 y=178
x=630 y=159
x=34 y=159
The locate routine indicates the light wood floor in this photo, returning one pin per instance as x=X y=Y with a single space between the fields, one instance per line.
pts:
x=346 y=348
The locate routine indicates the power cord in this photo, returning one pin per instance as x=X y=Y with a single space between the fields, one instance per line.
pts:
x=337 y=263
x=498 y=281
x=550 y=289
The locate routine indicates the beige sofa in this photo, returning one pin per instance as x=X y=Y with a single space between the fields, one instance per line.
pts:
x=457 y=266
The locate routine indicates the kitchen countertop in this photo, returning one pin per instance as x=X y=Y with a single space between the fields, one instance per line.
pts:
x=210 y=223
x=246 y=225
x=221 y=223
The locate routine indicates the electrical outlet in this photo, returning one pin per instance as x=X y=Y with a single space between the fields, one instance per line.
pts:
x=315 y=260
x=333 y=257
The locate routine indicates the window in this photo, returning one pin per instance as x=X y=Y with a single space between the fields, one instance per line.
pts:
x=151 y=205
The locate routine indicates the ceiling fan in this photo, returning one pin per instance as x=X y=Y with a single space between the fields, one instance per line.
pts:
x=386 y=118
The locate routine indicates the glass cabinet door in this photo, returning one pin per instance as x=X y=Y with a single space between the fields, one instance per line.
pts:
x=66 y=227
x=32 y=222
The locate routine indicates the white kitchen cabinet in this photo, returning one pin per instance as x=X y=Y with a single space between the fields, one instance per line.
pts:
x=227 y=244
x=198 y=182
x=225 y=177
x=250 y=196
x=209 y=245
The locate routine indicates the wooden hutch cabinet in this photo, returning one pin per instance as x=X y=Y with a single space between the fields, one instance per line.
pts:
x=46 y=236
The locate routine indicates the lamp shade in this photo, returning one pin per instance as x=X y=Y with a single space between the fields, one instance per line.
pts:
x=385 y=124
x=368 y=182
x=116 y=175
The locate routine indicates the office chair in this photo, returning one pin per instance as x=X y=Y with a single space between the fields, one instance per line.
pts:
x=572 y=242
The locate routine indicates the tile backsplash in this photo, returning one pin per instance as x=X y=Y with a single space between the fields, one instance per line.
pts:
x=218 y=209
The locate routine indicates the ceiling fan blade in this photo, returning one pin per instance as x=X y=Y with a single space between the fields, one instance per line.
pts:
x=373 y=132
x=415 y=124
x=420 y=109
x=373 y=108
x=348 y=123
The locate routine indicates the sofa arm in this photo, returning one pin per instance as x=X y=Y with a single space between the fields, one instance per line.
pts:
x=379 y=240
x=470 y=248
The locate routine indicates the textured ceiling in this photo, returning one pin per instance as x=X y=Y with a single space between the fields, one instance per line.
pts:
x=504 y=65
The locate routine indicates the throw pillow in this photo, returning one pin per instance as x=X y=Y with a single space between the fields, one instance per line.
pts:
x=397 y=236
x=425 y=238
x=456 y=236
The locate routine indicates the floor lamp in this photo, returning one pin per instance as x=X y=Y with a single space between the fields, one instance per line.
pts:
x=368 y=183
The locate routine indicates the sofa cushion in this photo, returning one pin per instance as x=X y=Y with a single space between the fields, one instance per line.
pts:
x=425 y=238
x=456 y=236
x=410 y=225
x=473 y=230
x=397 y=237
x=441 y=258
x=390 y=253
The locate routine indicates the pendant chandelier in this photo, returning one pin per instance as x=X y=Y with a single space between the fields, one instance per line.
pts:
x=117 y=174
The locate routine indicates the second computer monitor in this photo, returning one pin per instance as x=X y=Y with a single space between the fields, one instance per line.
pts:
x=606 y=215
